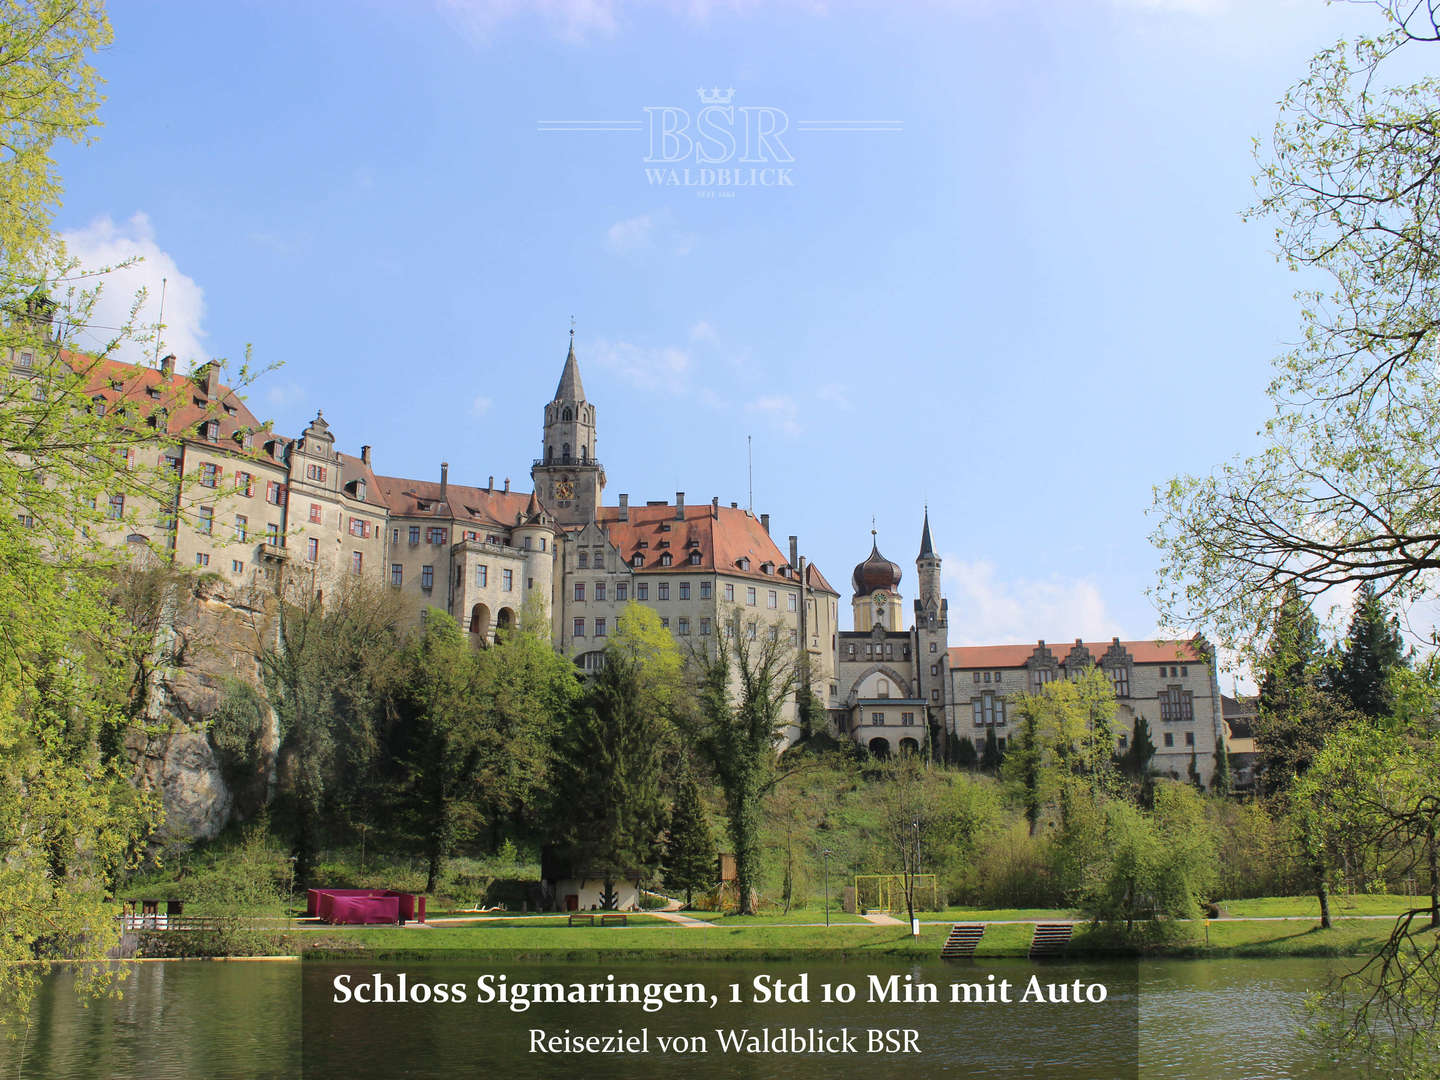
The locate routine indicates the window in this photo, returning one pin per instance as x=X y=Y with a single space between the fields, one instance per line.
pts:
x=579 y=628
x=27 y=360
x=684 y=590
x=1123 y=741
x=638 y=560
x=209 y=475
x=665 y=559
x=705 y=627
x=272 y=534
x=997 y=674
x=934 y=695
x=242 y=527
x=414 y=535
x=977 y=676
x=212 y=430
x=245 y=484
x=772 y=600
x=315 y=472
x=750 y=630
x=665 y=621
x=705 y=590
x=684 y=625
x=794 y=636
x=729 y=594
x=542 y=543
x=1177 y=705
x=878 y=719
x=642 y=590
x=359 y=527
x=694 y=558
x=357 y=562
x=791 y=600
x=236 y=566
x=436 y=536
x=1120 y=681
x=622 y=590
x=172 y=462
x=206 y=523
x=312 y=551
x=202 y=559
x=934 y=669
x=580 y=592
x=25 y=520
x=1184 y=670
x=482 y=576
x=987 y=676
x=397 y=574
x=1041 y=676
x=932 y=646
x=1189 y=738
x=599 y=627
x=583 y=560
x=507 y=580
x=427 y=578
x=599 y=560
x=316 y=517
x=750 y=595
x=275 y=493
x=988 y=709
x=663 y=590
x=907 y=718
x=1169 y=738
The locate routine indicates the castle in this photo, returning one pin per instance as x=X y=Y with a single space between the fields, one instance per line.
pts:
x=261 y=509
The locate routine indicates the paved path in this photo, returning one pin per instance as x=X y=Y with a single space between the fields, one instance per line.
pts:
x=880 y=919
x=681 y=920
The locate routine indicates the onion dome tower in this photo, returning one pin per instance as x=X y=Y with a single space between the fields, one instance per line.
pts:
x=877 y=591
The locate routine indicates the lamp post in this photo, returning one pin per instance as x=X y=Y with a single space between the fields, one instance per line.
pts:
x=914 y=873
x=826 y=853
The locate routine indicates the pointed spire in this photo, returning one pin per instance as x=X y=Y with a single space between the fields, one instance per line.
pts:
x=570 y=387
x=927 y=549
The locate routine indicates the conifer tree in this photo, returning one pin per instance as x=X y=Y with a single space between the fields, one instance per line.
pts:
x=991 y=758
x=608 y=814
x=690 y=857
x=1137 y=757
x=966 y=756
x=1372 y=650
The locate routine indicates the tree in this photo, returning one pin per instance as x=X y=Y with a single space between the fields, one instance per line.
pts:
x=1135 y=762
x=742 y=692
x=1346 y=486
x=966 y=756
x=1372 y=650
x=690 y=857
x=69 y=819
x=608 y=814
x=991 y=758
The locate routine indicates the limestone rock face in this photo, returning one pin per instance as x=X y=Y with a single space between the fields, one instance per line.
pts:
x=209 y=636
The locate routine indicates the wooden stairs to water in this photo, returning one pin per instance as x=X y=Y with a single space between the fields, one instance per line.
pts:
x=1050 y=939
x=962 y=941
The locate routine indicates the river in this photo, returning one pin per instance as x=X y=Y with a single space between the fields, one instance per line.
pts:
x=1203 y=1019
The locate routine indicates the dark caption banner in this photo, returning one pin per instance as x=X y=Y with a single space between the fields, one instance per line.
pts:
x=991 y=1019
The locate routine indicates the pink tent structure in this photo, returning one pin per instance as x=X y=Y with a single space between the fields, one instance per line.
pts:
x=363 y=906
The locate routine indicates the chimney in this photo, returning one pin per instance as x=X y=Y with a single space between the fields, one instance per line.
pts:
x=794 y=551
x=365 y=455
x=765 y=523
x=624 y=506
x=734 y=506
x=444 y=479
x=507 y=485
x=167 y=366
x=206 y=377
x=490 y=484
x=679 y=506
x=715 y=506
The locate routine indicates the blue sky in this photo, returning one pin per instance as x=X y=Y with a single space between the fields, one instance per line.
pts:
x=1027 y=305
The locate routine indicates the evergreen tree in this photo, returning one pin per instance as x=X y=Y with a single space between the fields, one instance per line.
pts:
x=1372 y=650
x=966 y=756
x=1135 y=762
x=1220 y=781
x=609 y=814
x=991 y=758
x=1295 y=711
x=690 y=857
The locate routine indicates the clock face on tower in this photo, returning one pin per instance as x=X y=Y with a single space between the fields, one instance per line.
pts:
x=564 y=490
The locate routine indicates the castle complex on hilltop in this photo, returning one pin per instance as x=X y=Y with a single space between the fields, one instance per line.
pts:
x=261 y=509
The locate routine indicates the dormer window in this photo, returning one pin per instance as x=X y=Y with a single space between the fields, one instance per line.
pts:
x=212 y=430
x=116 y=384
x=644 y=543
x=744 y=564
x=229 y=410
x=694 y=558
x=638 y=561
x=767 y=568
x=99 y=406
x=360 y=490
x=154 y=393
x=665 y=559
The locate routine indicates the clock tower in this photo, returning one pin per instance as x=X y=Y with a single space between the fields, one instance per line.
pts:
x=568 y=479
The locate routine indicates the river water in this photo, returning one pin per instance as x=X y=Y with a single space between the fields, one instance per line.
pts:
x=1202 y=1019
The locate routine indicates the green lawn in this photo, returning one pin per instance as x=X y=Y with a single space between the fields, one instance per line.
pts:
x=1308 y=907
x=972 y=914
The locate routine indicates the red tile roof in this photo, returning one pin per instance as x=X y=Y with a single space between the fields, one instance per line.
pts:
x=723 y=538
x=187 y=407
x=965 y=657
x=816 y=580
x=479 y=505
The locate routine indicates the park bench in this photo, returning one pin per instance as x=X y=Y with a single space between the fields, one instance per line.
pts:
x=606 y=918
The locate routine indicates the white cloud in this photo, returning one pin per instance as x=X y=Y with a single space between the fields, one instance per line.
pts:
x=703 y=331
x=779 y=411
x=664 y=367
x=836 y=395
x=631 y=235
x=480 y=406
x=103 y=243
x=282 y=395
x=986 y=609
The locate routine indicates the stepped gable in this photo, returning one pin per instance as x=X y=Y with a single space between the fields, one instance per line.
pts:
x=725 y=538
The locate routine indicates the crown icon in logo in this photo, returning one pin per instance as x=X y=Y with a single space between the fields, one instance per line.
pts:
x=716 y=96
